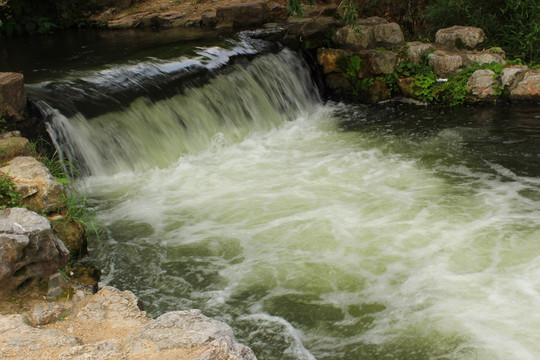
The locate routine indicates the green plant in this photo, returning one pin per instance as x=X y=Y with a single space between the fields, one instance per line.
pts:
x=350 y=65
x=78 y=210
x=9 y=197
x=3 y=125
x=426 y=87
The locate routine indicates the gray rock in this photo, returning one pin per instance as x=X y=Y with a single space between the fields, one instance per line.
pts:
x=459 y=37
x=12 y=95
x=417 y=50
x=40 y=190
x=444 y=64
x=480 y=85
x=28 y=248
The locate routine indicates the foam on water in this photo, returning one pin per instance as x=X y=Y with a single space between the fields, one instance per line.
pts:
x=246 y=198
x=363 y=252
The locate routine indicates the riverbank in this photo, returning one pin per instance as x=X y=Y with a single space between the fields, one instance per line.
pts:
x=371 y=61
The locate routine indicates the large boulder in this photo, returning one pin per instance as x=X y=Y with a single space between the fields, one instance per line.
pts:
x=460 y=37
x=12 y=95
x=28 y=248
x=481 y=86
x=242 y=15
x=39 y=189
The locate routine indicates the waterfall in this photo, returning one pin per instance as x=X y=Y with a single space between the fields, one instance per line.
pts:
x=145 y=133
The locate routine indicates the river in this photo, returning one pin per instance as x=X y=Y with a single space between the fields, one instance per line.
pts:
x=317 y=230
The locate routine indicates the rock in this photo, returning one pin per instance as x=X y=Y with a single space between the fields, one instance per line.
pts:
x=58 y=285
x=481 y=58
x=227 y=349
x=12 y=95
x=19 y=340
x=388 y=35
x=511 y=76
x=310 y=33
x=39 y=189
x=444 y=64
x=460 y=37
x=128 y=21
x=191 y=21
x=481 y=86
x=374 y=20
x=405 y=87
x=209 y=19
x=417 y=50
x=378 y=91
x=380 y=61
x=10 y=134
x=338 y=84
x=242 y=15
x=328 y=59
x=181 y=330
x=28 y=248
x=14 y=146
x=528 y=88
x=278 y=14
x=103 y=350
x=113 y=305
x=354 y=38
x=369 y=34
x=46 y=313
x=72 y=234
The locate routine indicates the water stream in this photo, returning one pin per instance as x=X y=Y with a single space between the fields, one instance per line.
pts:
x=316 y=230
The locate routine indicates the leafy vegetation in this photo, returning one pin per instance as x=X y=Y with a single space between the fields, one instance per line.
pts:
x=512 y=24
x=9 y=197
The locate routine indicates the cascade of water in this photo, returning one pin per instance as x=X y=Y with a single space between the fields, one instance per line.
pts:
x=314 y=230
x=272 y=89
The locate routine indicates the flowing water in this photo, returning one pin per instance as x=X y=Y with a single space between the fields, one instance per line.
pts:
x=315 y=230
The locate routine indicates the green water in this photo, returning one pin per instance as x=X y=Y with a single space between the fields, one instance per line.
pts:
x=316 y=230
